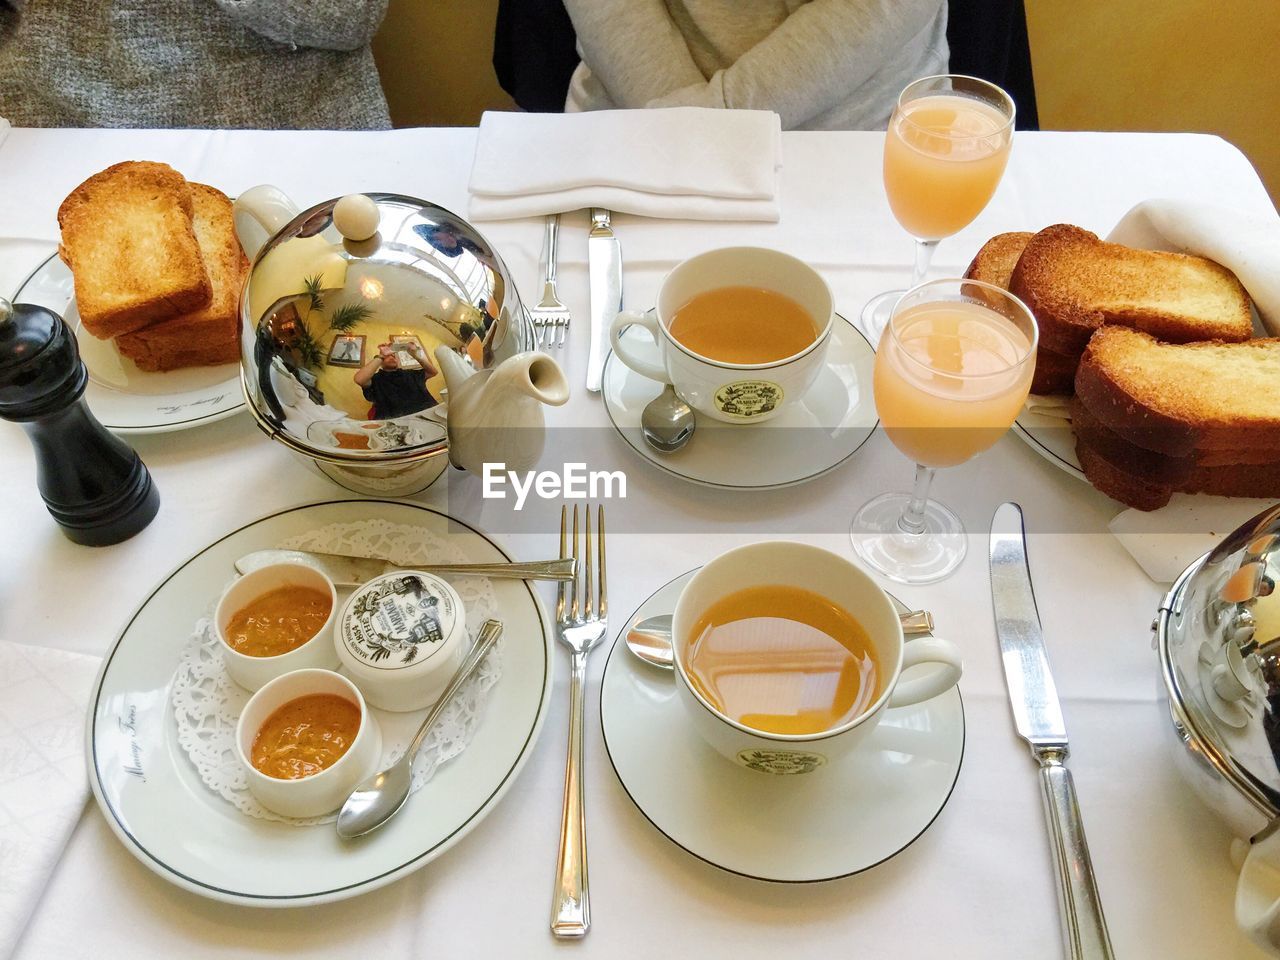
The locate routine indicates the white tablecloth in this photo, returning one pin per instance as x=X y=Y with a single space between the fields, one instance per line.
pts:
x=978 y=884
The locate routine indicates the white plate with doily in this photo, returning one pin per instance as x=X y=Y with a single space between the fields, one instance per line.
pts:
x=122 y=397
x=156 y=801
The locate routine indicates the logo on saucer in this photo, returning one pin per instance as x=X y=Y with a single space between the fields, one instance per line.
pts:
x=748 y=398
x=781 y=762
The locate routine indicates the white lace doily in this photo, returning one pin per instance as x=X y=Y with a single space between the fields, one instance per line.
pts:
x=207 y=702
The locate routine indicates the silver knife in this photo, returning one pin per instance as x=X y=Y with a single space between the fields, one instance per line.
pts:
x=604 y=258
x=1038 y=717
x=352 y=571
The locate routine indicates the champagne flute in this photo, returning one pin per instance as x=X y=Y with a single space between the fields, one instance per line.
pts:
x=952 y=372
x=944 y=154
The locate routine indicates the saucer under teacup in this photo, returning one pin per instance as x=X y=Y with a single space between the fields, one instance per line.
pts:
x=852 y=815
x=804 y=441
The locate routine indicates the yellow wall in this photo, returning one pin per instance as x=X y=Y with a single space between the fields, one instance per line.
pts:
x=436 y=61
x=1199 y=65
x=1202 y=65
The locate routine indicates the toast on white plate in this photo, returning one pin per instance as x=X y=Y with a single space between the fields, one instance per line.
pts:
x=129 y=239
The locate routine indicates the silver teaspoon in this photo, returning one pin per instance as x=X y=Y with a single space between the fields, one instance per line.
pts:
x=667 y=421
x=378 y=799
x=650 y=639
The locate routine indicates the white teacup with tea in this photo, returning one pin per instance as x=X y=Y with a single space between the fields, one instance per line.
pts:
x=788 y=655
x=739 y=332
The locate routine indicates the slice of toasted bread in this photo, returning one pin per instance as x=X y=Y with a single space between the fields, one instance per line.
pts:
x=128 y=238
x=1136 y=488
x=223 y=351
x=208 y=335
x=1159 y=466
x=1054 y=373
x=994 y=263
x=1119 y=452
x=1074 y=283
x=1129 y=487
x=1176 y=399
x=1237 y=480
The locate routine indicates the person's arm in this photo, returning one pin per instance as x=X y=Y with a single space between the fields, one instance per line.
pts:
x=813 y=60
x=328 y=24
x=633 y=48
x=365 y=373
x=428 y=368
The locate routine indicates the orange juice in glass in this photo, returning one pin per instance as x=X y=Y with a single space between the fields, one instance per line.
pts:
x=952 y=372
x=944 y=153
x=948 y=380
x=943 y=158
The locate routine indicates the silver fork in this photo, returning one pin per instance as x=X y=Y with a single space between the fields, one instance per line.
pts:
x=550 y=317
x=581 y=626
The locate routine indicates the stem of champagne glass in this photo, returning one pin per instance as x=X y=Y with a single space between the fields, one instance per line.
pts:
x=924 y=254
x=912 y=519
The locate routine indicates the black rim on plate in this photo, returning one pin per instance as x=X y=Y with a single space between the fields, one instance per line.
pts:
x=620 y=643
x=638 y=449
x=62 y=312
x=118 y=821
x=1048 y=452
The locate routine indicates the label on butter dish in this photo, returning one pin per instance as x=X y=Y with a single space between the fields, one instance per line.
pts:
x=398 y=620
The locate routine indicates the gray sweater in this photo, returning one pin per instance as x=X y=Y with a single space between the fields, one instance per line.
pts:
x=191 y=63
x=819 y=64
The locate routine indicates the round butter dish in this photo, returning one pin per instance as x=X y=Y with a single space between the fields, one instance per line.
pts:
x=401 y=636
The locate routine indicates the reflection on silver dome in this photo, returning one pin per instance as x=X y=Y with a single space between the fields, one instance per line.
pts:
x=318 y=310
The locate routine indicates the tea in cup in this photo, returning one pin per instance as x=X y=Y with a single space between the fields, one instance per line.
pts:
x=788 y=655
x=739 y=332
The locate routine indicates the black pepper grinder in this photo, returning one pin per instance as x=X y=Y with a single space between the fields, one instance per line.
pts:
x=95 y=485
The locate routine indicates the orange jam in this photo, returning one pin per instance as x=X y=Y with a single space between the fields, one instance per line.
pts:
x=305 y=736
x=278 y=622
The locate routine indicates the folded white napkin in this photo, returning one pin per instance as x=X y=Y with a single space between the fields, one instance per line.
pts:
x=43 y=784
x=681 y=163
x=1165 y=541
x=1246 y=243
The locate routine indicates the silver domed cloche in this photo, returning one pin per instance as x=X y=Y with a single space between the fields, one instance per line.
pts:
x=1218 y=638
x=344 y=310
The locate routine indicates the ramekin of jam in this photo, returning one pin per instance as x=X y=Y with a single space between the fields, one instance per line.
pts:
x=306 y=740
x=274 y=620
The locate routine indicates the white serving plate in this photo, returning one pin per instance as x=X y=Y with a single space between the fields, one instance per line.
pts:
x=153 y=797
